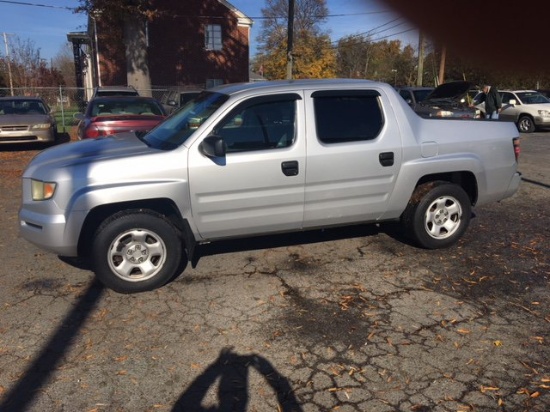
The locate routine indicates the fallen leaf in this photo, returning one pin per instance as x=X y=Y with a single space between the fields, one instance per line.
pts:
x=497 y=343
x=539 y=339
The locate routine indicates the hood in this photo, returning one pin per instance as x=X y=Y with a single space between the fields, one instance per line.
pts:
x=71 y=154
x=451 y=90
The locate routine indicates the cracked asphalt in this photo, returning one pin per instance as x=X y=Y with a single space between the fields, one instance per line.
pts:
x=350 y=319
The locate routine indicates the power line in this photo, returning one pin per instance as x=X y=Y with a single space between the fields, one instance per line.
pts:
x=21 y=3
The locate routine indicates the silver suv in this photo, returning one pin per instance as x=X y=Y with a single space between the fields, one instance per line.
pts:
x=528 y=109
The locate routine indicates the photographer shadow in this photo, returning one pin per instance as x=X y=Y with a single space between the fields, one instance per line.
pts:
x=231 y=372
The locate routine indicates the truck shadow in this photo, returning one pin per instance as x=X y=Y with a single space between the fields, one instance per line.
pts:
x=392 y=229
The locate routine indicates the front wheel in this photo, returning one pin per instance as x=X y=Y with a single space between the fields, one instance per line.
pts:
x=526 y=124
x=437 y=215
x=136 y=251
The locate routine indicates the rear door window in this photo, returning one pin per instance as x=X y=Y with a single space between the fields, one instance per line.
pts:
x=347 y=115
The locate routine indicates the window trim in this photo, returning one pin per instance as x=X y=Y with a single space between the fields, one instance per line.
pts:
x=210 y=39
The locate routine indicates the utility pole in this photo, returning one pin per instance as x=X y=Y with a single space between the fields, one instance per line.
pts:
x=420 y=72
x=8 y=59
x=290 y=36
x=441 y=79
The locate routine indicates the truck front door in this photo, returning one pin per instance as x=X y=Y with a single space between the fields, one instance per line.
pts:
x=258 y=186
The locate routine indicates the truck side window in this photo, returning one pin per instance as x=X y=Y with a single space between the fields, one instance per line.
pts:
x=347 y=116
x=259 y=125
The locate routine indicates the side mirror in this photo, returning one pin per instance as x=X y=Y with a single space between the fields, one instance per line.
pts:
x=213 y=146
x=512 y=102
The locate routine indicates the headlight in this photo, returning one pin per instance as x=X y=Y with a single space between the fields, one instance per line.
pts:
x=42 y=190
x=544 y=113
x=41 y=126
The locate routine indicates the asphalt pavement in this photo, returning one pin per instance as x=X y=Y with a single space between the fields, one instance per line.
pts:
x=350 y=319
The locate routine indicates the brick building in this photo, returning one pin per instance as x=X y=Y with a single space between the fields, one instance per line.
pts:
x=190 y=42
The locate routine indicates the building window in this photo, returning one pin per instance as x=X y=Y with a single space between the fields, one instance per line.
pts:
x=213 y=83
x=213 y=37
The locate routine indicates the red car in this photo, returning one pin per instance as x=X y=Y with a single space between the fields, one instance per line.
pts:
x=116 y=114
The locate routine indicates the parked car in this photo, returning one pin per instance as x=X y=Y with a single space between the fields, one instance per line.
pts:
x=26 y=120
x=106 y=91
x=528 y=109
x=261 y=158
x=176 y=97
x=449 y=100
x=111 y=115
x=414 y=94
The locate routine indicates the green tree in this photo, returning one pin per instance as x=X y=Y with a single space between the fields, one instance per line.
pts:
x=312 y=51
x=132 y=14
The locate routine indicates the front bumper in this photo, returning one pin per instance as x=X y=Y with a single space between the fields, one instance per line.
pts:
x=26 y=136
x=48 y=231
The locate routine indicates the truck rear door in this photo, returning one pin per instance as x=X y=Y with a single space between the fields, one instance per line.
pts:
x=353 y=156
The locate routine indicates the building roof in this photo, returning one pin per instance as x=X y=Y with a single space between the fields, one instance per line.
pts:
x=243 y=19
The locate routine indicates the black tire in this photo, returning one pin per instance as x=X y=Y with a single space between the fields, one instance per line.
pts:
x=437 y=215
x=526 y=124
x=136 y=251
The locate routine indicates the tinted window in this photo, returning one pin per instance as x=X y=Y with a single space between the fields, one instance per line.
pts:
x=347 y=117
x=405 y=94
x=532 y=98
x=259 y=124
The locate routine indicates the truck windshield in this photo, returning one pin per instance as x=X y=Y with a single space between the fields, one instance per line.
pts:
x=175 y=130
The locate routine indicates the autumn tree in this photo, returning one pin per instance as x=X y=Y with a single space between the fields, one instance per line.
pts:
x=313 y=53
x=132 y=14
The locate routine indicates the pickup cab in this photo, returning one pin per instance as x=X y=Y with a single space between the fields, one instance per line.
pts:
x=262 y=158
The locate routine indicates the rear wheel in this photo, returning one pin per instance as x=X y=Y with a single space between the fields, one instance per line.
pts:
x=136 y=251
x=437 y=215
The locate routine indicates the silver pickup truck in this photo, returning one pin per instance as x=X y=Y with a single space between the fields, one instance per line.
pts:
x=260 y=158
